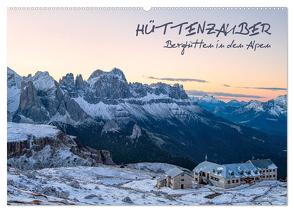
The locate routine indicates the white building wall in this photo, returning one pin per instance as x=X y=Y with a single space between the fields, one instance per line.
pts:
x=269 y=174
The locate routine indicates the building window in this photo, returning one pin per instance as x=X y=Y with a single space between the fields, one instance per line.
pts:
x=233 y=181
x=196 y=179
x=182 y=179
x=274 y=175
x=229 y=182
x=237 y=181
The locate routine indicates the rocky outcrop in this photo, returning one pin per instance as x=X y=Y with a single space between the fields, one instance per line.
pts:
x=54 y=151
x=17 y=148
x=100 y=156
x=136 y=133
x=80 y=83
x=30 y=104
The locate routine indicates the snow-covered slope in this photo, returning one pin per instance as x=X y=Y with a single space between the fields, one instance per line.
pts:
x=110 y=185
x=209 y=99
x=275 y=107
x=140 y=109
x=159 y=168
x=13 y=92
x=253 y=105
x=17 y=132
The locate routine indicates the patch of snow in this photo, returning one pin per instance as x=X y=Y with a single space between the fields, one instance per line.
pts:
x=110 y=126
x=281 y=100
x=95 y=110
x=13 y=90
x=209 y=99
x=152 y=167
x=43 y=81
x=236 y=127
x=136 y=133
x=255 y=105
x=13 y=98
x=22 y=131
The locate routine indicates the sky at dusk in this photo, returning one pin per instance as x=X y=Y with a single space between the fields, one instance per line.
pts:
x=80 y=41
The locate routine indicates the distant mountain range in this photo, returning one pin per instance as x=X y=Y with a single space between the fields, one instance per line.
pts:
x=139 y=122
x=269 y=117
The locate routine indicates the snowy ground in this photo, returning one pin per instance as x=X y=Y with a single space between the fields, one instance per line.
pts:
x=135 y=184
x=17 y=132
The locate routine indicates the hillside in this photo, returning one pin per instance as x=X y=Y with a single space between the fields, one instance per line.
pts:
x=111 y=185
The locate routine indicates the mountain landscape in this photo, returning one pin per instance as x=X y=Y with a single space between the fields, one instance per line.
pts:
x=269 y=117
x=137 y=122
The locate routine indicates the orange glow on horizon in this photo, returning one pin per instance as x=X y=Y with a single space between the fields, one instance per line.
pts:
x=82 y=41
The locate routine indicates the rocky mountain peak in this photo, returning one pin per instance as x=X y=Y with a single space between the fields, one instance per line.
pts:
x=107 y=85
x=174 y=91
x=209 y=99
x=114 y=73
x=281 y=100
x=96 y=74
x=277 y=106
x=235 y=103
x=68 y=79
x=79 y=83
x=119 y=73
x=177 y=91
x=254 y=105
x=42 y=81
x=13 y=79
x=67 y=83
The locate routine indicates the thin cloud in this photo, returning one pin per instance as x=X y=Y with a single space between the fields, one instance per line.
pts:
x=223 y=94
x=266 y=88
x=178 y=79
